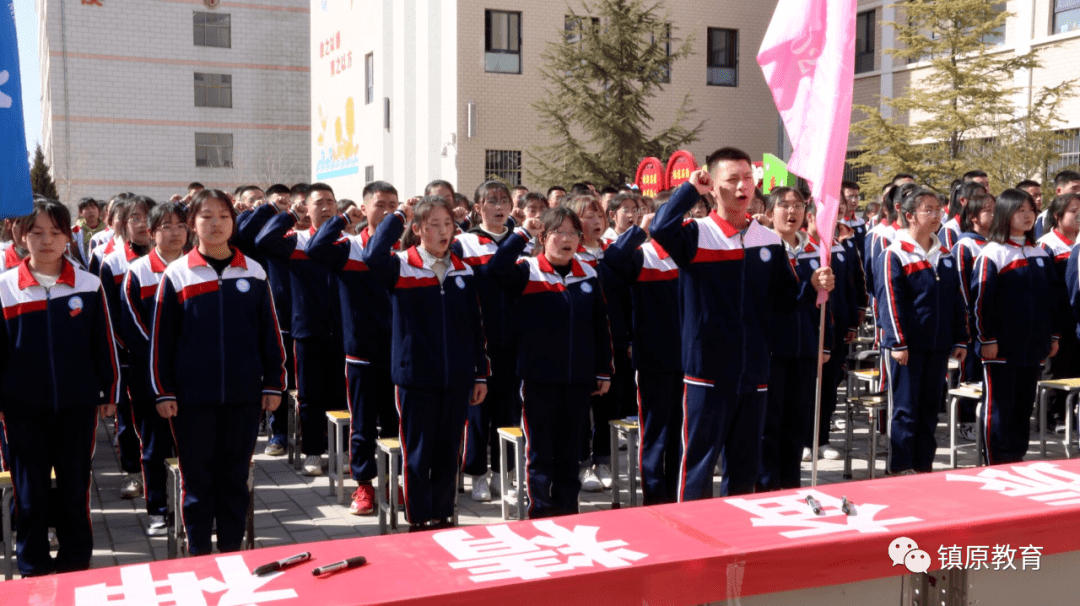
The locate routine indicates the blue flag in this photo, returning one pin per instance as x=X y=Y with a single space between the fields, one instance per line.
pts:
x=16 y=196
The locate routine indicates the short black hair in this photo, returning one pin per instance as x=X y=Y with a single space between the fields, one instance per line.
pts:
x=533 y=196
x=608 y=190
x=277 y=188
x=245 y=189
x=438 y=183
x=901 y=176
x=971 y=175
x=519 y=187
x=314 y=187
x=616 y=202
x=160 y=213
x=1026 y=183
x=87 y=202
x=555 y=188
x=344 y=204
x=195 y=185
x=1065 y=177
x=845 y=184
x=378 y=187
x=580 y=189
x=1008 y=203
x=725 y=153
x=300 y=189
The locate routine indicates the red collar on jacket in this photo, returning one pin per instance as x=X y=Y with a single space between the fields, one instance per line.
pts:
x=417 y=261
x=11 y=257
x=195 y=259
x=157 y=264
x=725 y=225
x=1063 y=237
x=130 y=252
x=27 y=279
x=576 y=269
x=660 y=252
x=365 y=237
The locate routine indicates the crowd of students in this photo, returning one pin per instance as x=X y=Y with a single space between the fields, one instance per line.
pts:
x=440 y=319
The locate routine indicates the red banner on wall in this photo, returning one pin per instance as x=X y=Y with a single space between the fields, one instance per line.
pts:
x=650 y=177
x=679 y=167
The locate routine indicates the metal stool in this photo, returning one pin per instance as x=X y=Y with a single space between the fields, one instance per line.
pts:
x=964 y=392
x=874 y=405
x=7 y=493
x=515 y=437
x=629 y=430
x=388 y=467
x=338 y=423
x=177 y=544
x=293 y=446
x=1072 y=388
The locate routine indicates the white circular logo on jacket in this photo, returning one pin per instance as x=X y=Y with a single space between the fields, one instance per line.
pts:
x=839 y=256
x=765 y=255
x=243 y=285
x=75 y=303
x=586 y=287
x=1039 y=261
x=813 y=264
x=460 y=282
x=946 y=262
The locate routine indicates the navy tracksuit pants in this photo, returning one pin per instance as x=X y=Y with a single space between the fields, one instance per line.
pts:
x=127 y=438
x=214 y=446
x=432 y=422
x=155 y=444
x=63 y=441
x=279 y=419
x=659 y=439
x=720 y=425
x=371 y=407
x=501 y=408
x=553 y=419
x=789 y=414
x=1010 y=399
x=917 y=394
x=320 y=387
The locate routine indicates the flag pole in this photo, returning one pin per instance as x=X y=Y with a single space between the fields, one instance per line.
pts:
x=817 y=397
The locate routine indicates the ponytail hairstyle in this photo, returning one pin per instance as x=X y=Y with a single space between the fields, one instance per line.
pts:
x=420 y=214
x=972 y=209
x=895 y=200
x=909 y=203
x=1057 y=209
x=1010 y=201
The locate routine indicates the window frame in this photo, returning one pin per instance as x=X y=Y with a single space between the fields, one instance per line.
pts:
x=217 y=142
x=488 y=50
x=733 y=46
x=223 y=86
x=864 y=58
x=1055 y=11
x=227 y=28
x=369 y=78
x=496 y=162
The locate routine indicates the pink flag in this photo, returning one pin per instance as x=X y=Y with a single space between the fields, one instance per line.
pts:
x=808 y=58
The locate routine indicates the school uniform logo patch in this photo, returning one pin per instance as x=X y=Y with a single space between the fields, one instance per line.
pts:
x=1039 y=262
x=76 y=305
x=765 y=255
x=839 y=256
x=946 y=262
x=243 y=285
x=813 y=264
x=586 y=288
x=460 y=282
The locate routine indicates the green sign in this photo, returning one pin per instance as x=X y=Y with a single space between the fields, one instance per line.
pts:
x=776 y=174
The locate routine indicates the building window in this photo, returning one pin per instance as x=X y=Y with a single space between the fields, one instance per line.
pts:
x=852 y=173
x=213 y=90
x=864 y=42
x=998 y=35
x=573 y=27
x=213 y=150
x=1068 y=154
x=665 y=73
x=213 y=29
x=1066 y=15
x=369 y=174
x=723 y=57
x=504 y=165
x=502 y=46
x=369 y=78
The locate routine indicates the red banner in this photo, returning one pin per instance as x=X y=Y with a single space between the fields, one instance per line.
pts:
x=986 y=518
x=650 y=177
x=679 y=167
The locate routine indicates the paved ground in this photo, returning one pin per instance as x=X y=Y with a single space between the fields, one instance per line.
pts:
x=292 y=508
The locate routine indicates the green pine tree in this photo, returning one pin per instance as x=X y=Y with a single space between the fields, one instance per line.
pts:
x=40 y=180
x=959 y=115
x=600 y=77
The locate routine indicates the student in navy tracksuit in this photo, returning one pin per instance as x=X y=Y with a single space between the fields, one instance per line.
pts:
x=564 y=353
x=654 y=279
x=133 y=241
x=1017 y=321
x=850 y=204
x=216 y=361
x=923 y=320
x=975 y=219
x=58 y=370
x=169 y=230
x=277 y=271
x=316 y=320
x=847 y=304
x=502 y=406
x=366 y=319
x=438 y=358
x=734 y=276
x=962 y=195
x=1062 y=228
x=793 y=335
